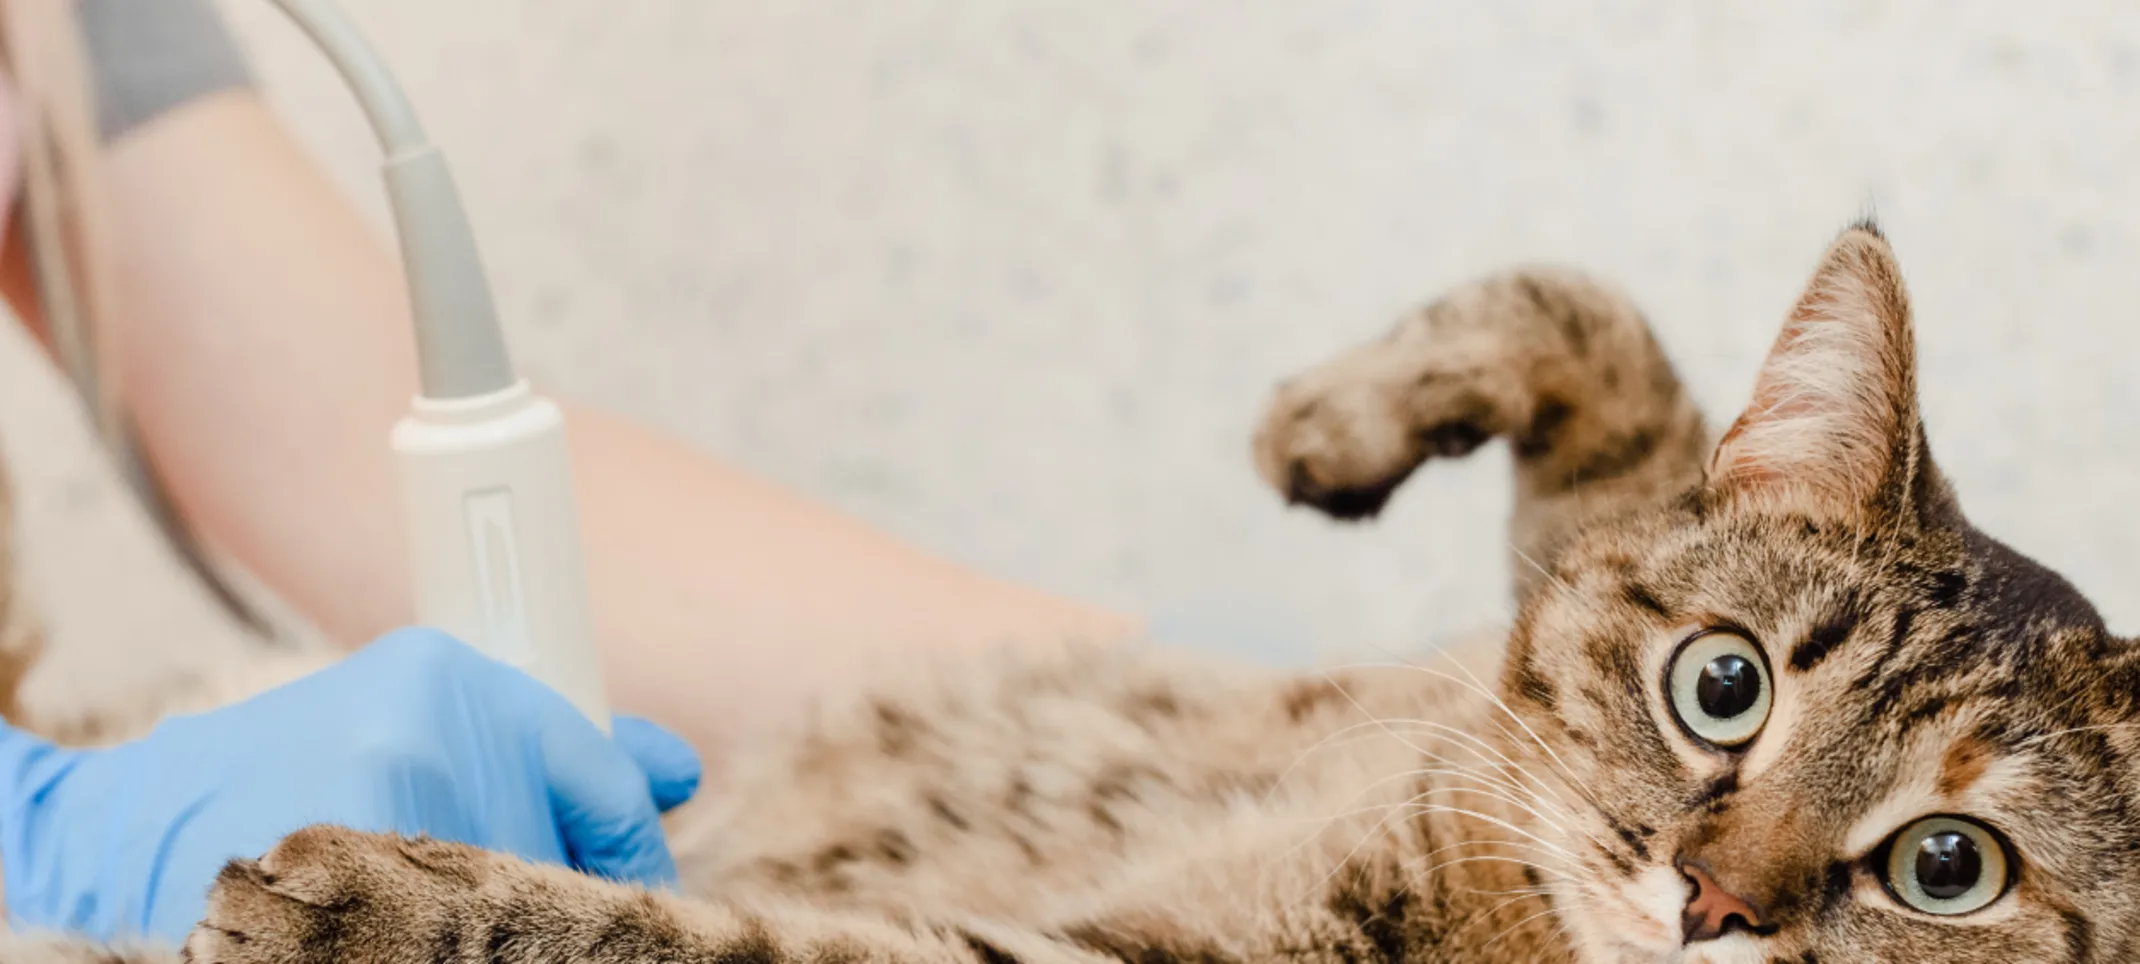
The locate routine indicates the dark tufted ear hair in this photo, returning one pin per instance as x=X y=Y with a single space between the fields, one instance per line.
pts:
x=1833 y=429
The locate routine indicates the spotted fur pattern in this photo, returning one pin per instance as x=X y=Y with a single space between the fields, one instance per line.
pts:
x=1134 y=805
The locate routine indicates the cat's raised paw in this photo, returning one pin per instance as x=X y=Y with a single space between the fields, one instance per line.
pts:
x=1561 y=366
x=1342 y=437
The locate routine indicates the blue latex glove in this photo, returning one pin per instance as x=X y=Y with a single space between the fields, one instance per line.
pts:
x=416 y=733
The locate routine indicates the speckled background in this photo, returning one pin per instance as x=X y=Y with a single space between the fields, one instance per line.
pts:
x=1012 y=279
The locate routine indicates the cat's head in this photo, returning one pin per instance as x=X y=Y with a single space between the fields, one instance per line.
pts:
x=1807 y=712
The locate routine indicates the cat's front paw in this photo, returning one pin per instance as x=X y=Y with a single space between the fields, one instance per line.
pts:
x=330 y=894
x=1545 y=357
x=1343 y=437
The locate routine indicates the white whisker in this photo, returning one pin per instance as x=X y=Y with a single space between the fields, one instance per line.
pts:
x=1517 y=844
x=1512 y=928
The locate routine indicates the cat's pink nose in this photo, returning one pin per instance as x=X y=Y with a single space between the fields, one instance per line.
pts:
x=1713 y=911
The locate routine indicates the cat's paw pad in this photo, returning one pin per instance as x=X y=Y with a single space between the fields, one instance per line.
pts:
x=1342 y=440
x=330 y=894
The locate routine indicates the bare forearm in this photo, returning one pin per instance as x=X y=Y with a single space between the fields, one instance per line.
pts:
x=266 y=348
x=263 y=346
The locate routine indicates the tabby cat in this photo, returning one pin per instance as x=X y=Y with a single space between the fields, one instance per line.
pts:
x=1767 y=698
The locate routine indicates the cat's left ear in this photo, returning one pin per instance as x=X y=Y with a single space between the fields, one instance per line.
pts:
x=1833 y=430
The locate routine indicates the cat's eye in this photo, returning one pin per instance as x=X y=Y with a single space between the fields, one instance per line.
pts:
x=1946 y=866
x=1718 y=685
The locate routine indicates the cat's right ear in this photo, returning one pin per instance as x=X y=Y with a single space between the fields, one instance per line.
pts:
x=1833 y=429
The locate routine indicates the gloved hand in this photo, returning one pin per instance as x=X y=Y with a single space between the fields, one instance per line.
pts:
x=415 y=733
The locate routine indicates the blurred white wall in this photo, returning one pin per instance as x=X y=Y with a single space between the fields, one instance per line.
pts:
x=1012 y=279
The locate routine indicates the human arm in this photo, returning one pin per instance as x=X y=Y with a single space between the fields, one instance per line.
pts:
x=266 y=348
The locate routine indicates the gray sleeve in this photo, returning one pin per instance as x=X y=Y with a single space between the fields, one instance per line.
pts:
x=148 y=56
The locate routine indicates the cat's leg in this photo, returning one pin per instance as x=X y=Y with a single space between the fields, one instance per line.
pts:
x=1422 y=886
x=1560 y=364
x=337 y=896
x=1333 y=860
